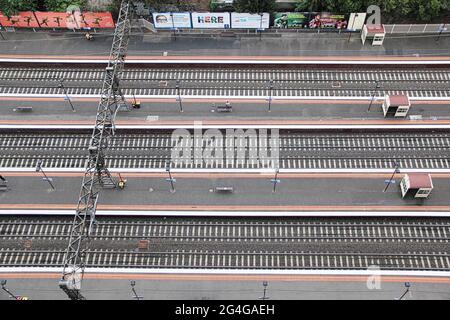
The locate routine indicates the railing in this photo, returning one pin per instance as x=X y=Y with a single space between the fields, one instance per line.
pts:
x=415 y=28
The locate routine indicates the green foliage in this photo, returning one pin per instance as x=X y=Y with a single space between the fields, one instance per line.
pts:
x=213 y=5
x=61 y=5
x=391 y=10
x=11 y=7
x=254 y=6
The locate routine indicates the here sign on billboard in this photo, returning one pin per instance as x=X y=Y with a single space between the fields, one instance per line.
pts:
x=209 y=20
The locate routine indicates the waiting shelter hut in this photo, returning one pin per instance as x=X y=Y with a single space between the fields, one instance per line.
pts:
x=416 y=185
x=374 y=32
x=396 y=105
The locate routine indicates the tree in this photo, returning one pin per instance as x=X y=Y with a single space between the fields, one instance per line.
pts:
x=254 y=6
x=62 y=5
x=11 y=7
x=313 y=5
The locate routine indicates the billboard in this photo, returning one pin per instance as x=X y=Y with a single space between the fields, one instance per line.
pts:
x=250 y=21
x=58 y=20
x=164 y=20
x=311 y=20
x=287 y=20
x=209 y=20
x=326 y=20
x=20 y=20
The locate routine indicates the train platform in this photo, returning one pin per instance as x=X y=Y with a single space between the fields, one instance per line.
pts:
x=167 y=111
x=201 y=194
x=288 y=45
x=236 y=287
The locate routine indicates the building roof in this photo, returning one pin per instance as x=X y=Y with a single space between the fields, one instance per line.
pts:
x=375 y=28
x=420 y=180
x=399 y=100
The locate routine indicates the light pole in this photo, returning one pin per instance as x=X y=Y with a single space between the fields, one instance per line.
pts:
x=39 y=169
x=377 y=86
x=264 y=297
x=136 y=296
x=407 y=286
x=177 y=86
x=11 y=295
x=173 y=27
x=1 y=33
x=442 y=28
x=4 y=288
x=260 y=25
x=170 y=179
x=396 y=170
x=275 y=180
x=61 y=86
x=270 y=94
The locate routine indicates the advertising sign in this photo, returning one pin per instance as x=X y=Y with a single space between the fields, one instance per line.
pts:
x=21 y=19
x=287 y=20
x=250 y=21
x=312 y=20
x=326 y=20
x=164 y=20
x=208 y=20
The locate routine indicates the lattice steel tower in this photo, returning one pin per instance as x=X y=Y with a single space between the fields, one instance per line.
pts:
x=97 y=175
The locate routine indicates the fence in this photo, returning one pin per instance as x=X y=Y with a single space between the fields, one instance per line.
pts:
x=415 y=28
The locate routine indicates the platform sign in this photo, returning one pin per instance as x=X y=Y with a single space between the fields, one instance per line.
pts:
x=356 y=21
x=211 y=20
x=164 y=20
x=250 y=21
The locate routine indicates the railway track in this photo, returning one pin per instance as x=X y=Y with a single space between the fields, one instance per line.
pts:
x=419 y=83
x=297 y=150
x=204 y=259
x=253 y=244
x=236 y=231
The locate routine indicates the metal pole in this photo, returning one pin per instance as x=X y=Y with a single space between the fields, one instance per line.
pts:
x=377 y=86
x=264 y=297
x=270 y=93
x=171 y=182
x=260 y=26
x=3 y=282
x=179 y=96
x=136 y=296
x=275 y=181
x=61 y=85
x=49 y=181
x=441 y=29
x=407 y=285
x=173 y=27
x=172 y=187
x=392 y=177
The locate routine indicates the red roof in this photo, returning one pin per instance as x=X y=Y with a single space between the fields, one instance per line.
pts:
x=399 y=100
x=375 y=29
x=420 y=180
